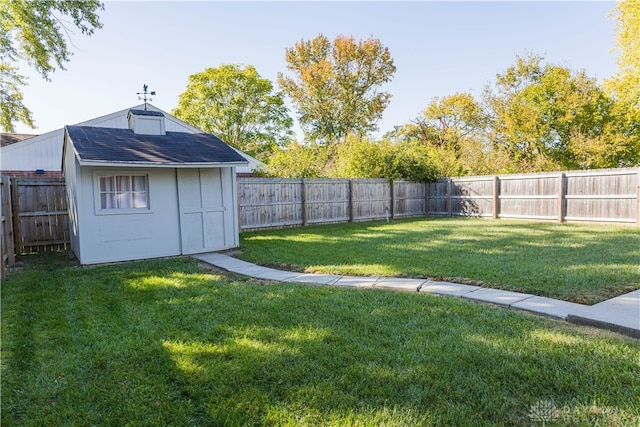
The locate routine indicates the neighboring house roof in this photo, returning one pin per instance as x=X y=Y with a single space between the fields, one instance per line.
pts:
x=12 y=138
x=95 y=145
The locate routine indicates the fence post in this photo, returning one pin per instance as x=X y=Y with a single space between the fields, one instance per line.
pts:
x=449 y=195
x=561 y=197
x=426 y=198
x=393 y=198
x=15 y=209
x=239 y=193
x=304 y=202
x=8 y=222
x=496 y=197
x=351 y=219
x=638 y=200
x=2 y=266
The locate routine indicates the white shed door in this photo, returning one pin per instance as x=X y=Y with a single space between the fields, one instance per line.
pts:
x=204 y=215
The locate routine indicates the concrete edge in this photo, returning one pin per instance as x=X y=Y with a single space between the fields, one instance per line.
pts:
x=497 y=296
x=399 y=284
x=601 y=324
x=447 y=288
x=539 y=313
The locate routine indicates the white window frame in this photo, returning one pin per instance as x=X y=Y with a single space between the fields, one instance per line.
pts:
x=98 y=175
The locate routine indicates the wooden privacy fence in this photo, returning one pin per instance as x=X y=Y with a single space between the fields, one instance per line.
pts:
x=607 y=195
x=34 y=216
x=34 y=211
x=269 y=203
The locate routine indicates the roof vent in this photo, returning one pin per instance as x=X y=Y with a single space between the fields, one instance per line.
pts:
x=146 y=122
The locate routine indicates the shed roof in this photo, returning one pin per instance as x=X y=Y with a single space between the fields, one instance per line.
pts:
x=122 y=146
x=146 y=113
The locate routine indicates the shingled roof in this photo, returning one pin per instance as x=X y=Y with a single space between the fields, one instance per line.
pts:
x=146 y=113
x=122 y=146
x=7 y=139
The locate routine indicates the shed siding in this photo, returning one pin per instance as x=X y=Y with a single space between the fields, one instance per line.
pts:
x=72 y=169
x=119 y=237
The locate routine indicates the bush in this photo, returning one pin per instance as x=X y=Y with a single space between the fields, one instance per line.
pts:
x=362 y=158
x=357 y=157
x=299 y=161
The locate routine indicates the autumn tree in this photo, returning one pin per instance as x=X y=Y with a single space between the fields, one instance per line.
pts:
x=625 y=84
x=454 y=133
x=453 y=119
x=238 y=106
x=415 y=130
x=336 y=86
x=550 y=117
x=37 y=32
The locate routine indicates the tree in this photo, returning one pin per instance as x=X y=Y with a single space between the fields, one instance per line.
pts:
x=416 y=130
x=238 y=106
x=36 y=32
x=12 y=108
x=453 y=119
x=335 y=86
x=454 y=134
x=625 y=85
x=549 y=117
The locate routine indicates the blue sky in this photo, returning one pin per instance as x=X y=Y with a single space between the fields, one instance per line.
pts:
x=439 y=48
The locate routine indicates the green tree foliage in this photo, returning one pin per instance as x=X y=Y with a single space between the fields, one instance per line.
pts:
x=335 y=86
x=355 y=157
x=12 y=108
x=453 y=120
x=37 y=32
x=453 y=132
x=299 y=161
x=360 y=157
x=416 y=130
x=238 y=106
x=625 y=85
x=549 y=117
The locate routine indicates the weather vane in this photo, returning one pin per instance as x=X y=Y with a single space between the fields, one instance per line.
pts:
x=145 y=93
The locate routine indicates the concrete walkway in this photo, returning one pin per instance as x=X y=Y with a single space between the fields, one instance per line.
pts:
x=619 y=314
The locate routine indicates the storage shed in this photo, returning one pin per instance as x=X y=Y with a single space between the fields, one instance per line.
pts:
x=145 y=192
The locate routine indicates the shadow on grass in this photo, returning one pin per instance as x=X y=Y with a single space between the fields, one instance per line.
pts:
x=570 y=262
x=166 y=343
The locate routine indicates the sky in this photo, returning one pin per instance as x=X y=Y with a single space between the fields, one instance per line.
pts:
x=439 y=48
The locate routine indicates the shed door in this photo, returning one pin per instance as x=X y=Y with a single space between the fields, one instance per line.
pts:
x=206 y=220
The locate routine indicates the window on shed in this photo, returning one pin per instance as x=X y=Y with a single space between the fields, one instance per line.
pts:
x=123 y=192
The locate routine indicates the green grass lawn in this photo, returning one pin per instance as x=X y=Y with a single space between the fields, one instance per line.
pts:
x=167 y=342
x=579 y=263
